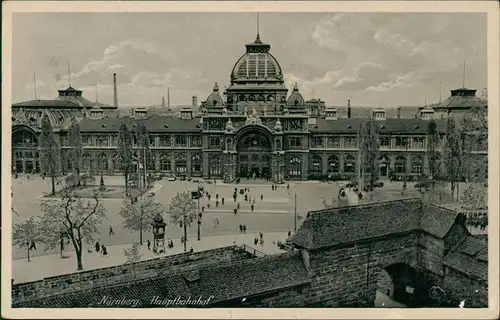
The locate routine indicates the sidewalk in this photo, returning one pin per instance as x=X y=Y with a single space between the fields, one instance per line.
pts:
x=52 y=265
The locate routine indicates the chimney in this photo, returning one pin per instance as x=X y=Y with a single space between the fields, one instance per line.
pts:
x=349 y=108
x=115 y=103
x=399 y=113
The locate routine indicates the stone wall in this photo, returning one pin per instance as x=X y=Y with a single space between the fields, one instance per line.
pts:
x=143 y=269
x=348 y=276
x=430 y=254
x=461 y=287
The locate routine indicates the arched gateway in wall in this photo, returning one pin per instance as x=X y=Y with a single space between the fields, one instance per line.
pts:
x=254 y=149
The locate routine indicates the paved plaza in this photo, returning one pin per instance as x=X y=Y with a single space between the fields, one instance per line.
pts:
x=274 y=213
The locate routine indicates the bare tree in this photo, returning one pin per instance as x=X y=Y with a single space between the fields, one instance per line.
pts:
x=133 y=255
x=432 y=149
x=49 y=150
x=139 y=215
x=26 y=232
x=369 y=148
x=125 y=152
x=182 y=211
x=71 y=215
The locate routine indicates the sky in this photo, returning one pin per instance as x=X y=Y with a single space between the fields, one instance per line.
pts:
x=374 y=59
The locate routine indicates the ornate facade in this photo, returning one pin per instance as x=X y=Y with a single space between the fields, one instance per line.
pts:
x=254 y=128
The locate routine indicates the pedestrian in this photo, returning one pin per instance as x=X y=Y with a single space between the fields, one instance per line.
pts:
x=191 y=250
x=255 y=241
x=261 y=241
x=97 y=246
x=244 y=228
x=241 y=228
x=202 y=208
x=261 y=235
x=111 y=230
x=217 y=203
x=253 y=201
x=149 y=245
x=246 y=197
x=104 y=251
x=209 y=196
x=208 y=205
x=217 y=196
x=289 y=233
x=238 y=206
x=222 y=201
x=261 y=197
x=215 y=181
x=235 y=211
x=252 y=206
x=288 y=187
x=32 y=245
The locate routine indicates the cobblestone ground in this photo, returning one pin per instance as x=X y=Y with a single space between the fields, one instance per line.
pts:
x=274 y=213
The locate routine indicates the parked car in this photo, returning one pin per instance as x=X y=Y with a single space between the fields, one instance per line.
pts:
x=172 y=178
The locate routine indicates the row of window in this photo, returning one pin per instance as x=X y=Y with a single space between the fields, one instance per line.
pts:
x=333 y=164
x=154 y=140
x=351 y=142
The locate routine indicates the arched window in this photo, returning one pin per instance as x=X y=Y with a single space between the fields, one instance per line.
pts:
x=196 y=162
x=214 y=165
x=87 y=161
x=102 y=159
x=333 y=164
x=165 y=162
x=251 y=97
x=295 y=167
x=349 y=164
x=417 y=164
x=400 y=165
x=23 y=138
x=315 y=164
x=181 y=164
x=151 y=162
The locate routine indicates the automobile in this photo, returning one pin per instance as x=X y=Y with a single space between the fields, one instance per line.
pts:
x=172 y=178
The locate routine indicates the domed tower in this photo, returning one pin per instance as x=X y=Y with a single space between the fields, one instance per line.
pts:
x=214 y=103
x=296 y=103
x=256 y=81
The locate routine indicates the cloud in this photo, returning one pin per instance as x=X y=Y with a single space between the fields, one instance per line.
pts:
x=310 y=86
x=366 y=75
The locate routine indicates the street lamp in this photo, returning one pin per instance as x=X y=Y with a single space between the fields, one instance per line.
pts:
x=196 y=195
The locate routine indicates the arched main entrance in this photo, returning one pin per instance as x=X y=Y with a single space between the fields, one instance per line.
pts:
x=25 y=156
x=254 y=155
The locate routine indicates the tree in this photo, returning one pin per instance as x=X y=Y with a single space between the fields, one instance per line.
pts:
x=23 y=233
x=75 y=152
x=144 y=154
x=49 y=151
x=453 y=152
x=125 y=153
x=139 y=215
x=432 y=149
x=182 y=211
x=133 y=255
x=369 y=148
x=474 y=198
x=78 y=220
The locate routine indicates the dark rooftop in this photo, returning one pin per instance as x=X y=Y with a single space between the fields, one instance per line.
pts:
x=346 y=125
x=331 y=227
x=470 y=257
x=230 y=281
x=154 y=123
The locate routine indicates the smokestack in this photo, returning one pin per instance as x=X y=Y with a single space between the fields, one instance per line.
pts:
x=115 y=102
x=399 y=113
x=349 y=108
